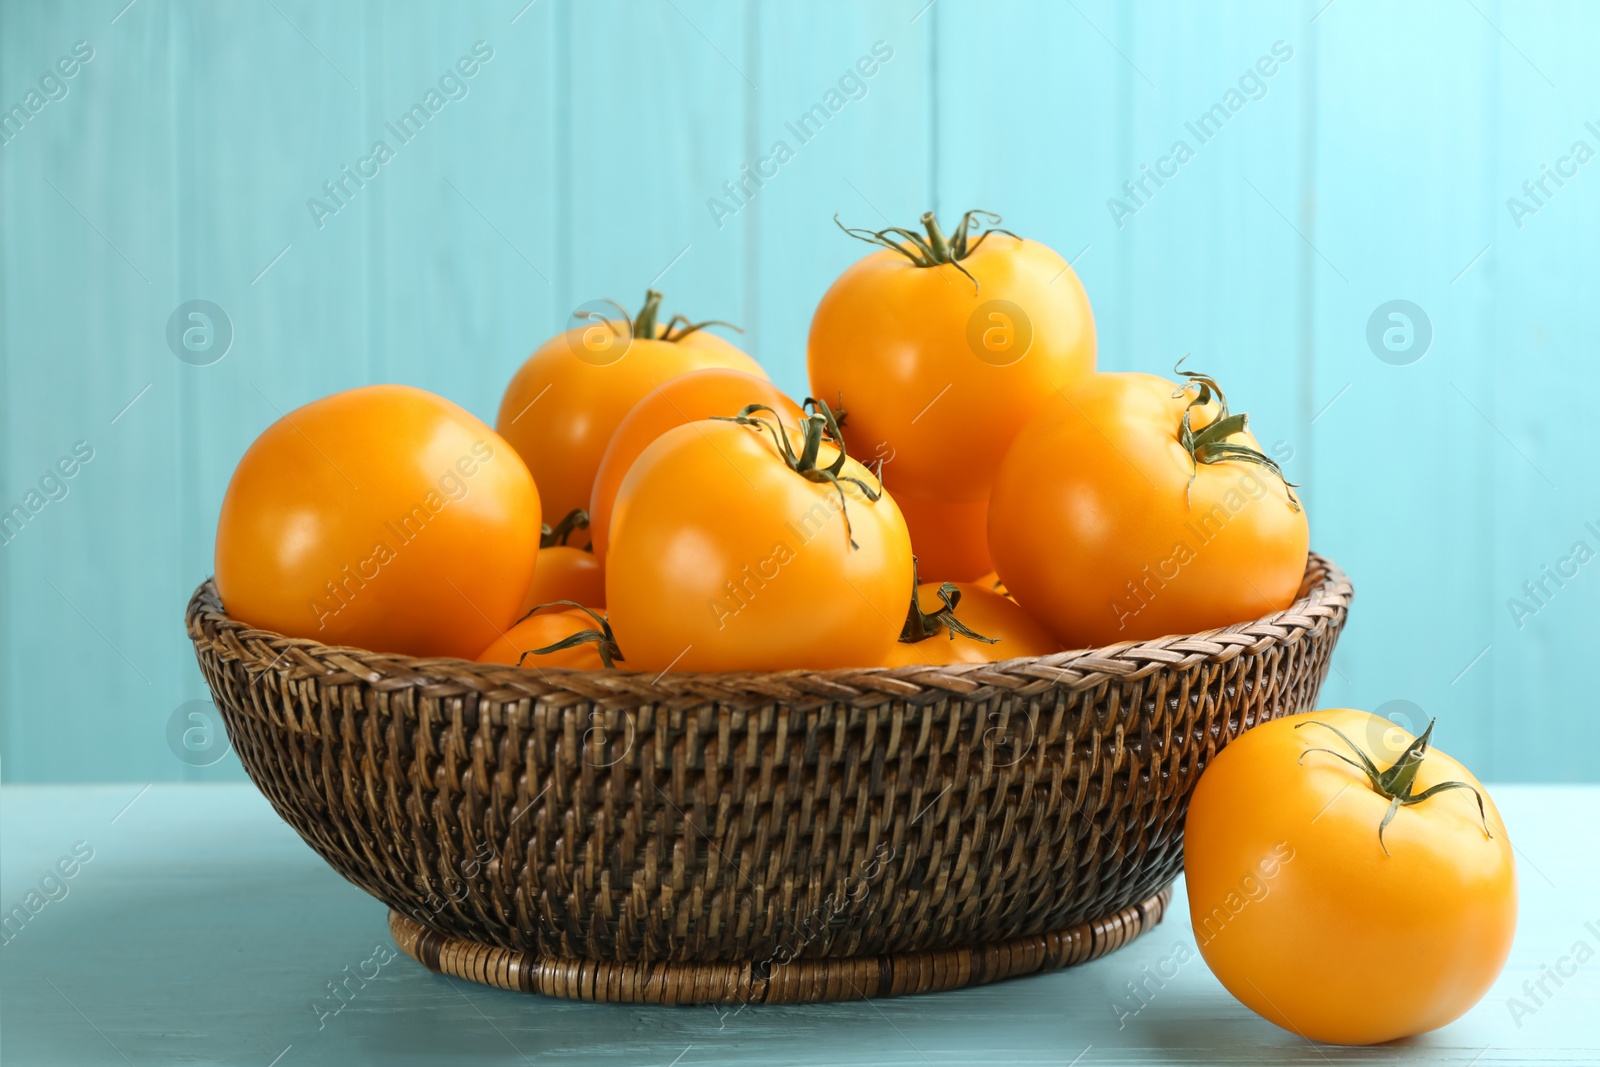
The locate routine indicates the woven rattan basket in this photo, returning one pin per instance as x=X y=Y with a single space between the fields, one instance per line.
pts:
x=785 y=837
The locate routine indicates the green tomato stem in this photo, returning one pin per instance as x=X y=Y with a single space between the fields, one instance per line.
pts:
x=934 y=249
x=1211 y=443
x=1396 y=781
x=921 y=625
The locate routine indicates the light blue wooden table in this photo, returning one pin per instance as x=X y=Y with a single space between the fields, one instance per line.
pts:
x=202 y=931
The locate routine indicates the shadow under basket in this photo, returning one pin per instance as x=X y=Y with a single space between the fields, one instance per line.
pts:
x=779 y=837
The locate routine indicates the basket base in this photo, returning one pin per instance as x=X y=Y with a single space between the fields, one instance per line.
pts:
x=801 y=981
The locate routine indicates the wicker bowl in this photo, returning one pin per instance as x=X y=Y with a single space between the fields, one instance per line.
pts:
x=784 y=837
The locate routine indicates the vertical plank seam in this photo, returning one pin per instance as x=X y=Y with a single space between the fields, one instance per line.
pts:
x=8 y=687
x=10 y=690
x=750 y=249
x=374 y=229
x=1483 y=711
x=185 y=431
x=1120 y=287
x=562 y=34
x=1306 y=267
x=935 y=112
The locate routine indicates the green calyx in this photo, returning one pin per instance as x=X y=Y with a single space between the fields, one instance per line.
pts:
x=550 y=536
x=600 y=634
x=678 y=327
x=817 y=423
x=1210 y=444
x=646 y=322
x=1395 y=783
x=934 y=249
x=921 y=625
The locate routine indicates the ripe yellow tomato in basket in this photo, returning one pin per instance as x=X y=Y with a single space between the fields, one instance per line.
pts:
x=691 y=397
x=566 y=400
x=566 y=572
x=382 y=517
x=962 y=622
x=941 y=348
x=751 y=544
x=1133 y=507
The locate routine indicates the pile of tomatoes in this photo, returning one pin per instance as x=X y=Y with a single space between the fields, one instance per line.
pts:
x=962 y=486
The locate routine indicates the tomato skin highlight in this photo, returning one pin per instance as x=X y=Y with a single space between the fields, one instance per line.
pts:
x=723 y=558
x=686 y=398
x=1095 y=528
x=565 y=572
x=565 y=402
x=1301 y=914
x=354 y=520
x=541 y=631
x=983 y=611
x=899 y=344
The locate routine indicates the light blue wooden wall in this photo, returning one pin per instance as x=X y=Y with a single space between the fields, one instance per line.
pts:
x=1376 y=166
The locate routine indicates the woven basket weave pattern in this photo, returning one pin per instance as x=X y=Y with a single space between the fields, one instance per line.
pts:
x=617 y=816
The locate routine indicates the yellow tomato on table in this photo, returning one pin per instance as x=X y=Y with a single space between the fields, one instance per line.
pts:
x=1346 y=881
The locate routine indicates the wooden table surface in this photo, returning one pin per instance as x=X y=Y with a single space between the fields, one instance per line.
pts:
x=202 y=931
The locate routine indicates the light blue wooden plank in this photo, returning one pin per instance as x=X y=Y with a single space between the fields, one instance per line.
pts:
x=202 y=931
x=654 y=96
x=463 y=261
x=1214 y=269
x=1398 y=493
x=1047 y=169
x=1537 y=277
x=90 y=254
x=869 y=161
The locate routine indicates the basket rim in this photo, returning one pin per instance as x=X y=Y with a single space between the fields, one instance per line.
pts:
x=1324 y=599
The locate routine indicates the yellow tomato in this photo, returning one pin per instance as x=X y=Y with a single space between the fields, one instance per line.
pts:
x=1010 y=631
x=992 y=581
x=383 y=517
x=565 y=572
x=522 y=644
x=950 y=537
x=1109 y=524
x=563 y=405
x=731 y=551
x=1320 y=917
x=942 y=349
x=691 y=397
